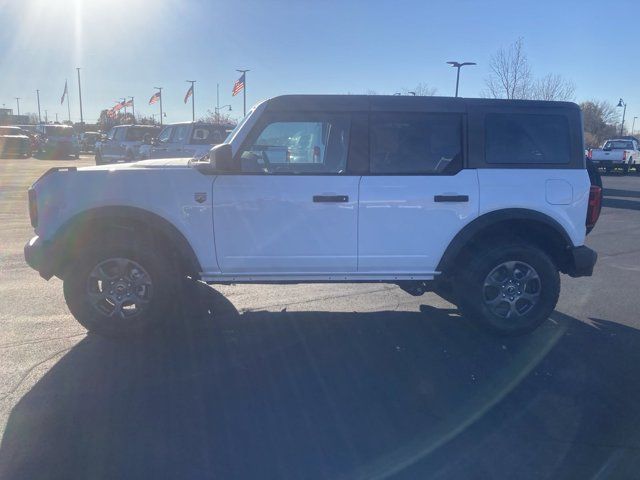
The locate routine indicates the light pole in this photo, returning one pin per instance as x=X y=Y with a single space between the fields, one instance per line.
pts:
x=193 y=100
x=38 y=95
x=244 y=91
x=80 y=96
x=622 y=104
x=18 y=104
x=459 y=65
x=633 y=126
x=217 y=110
x=160 y=98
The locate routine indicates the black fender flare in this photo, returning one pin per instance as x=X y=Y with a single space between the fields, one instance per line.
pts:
x=151 y=220
x=480 y=224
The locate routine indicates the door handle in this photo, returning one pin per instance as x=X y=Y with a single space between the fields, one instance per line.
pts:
x=451 y=198
x=331 y=198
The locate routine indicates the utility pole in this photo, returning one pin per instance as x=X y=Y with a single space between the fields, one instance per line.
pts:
x=18 y=104
x=80 y=96
x=193 y=100
x=244 y=91
x=160 y=90
x=459 y=65
x=39 y=117
x=133 y=110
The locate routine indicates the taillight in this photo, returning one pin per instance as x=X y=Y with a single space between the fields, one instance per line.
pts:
x=595 y=205
x=33 y=208
x=624 y=155
x=590 y=154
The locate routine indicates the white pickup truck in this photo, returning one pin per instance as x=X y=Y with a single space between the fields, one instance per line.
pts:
x=616 y=153
x=482 y=201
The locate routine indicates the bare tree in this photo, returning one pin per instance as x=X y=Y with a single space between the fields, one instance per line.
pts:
x=599 y=119
x=553 y=87
x=510 y=73
x=421 y=90
x=218 y=118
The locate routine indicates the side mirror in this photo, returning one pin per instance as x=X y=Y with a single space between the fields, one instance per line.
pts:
x=220 y=161
x=154 y=141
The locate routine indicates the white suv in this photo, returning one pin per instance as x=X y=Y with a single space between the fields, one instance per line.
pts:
x=481 y=201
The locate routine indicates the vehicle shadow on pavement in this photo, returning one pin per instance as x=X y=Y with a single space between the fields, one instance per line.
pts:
x=275 y=395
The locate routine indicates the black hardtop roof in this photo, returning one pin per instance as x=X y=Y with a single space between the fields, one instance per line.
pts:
x=399 y=102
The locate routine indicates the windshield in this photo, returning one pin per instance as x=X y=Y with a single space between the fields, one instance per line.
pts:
x=237 y=128
x=59 y=131
x=619 y=145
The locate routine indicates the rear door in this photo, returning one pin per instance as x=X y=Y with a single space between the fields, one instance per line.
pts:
x=179 y=138
x=292 y=210
x=417 y=196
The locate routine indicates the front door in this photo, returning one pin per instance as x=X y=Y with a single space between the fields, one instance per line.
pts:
x=417 y=197
x=292 y=209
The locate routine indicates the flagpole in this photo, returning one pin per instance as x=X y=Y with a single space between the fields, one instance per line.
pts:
x=68 y=106
x=160 y=90
x=133 y=109
x=39 y=116
x=193 y=100
x=80 y=96
x=244 y=92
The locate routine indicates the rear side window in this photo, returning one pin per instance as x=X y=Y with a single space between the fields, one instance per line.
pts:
x=527 y=139
x=415 y=143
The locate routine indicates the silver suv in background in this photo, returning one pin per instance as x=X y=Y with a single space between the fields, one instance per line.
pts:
x=59 y=141
x=188 y=139
x=122 y=143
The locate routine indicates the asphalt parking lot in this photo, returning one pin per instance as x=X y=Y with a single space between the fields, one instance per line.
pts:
x=323 y=381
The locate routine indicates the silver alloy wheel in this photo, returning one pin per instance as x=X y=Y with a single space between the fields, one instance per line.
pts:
x=511 y=289
x=119 y=287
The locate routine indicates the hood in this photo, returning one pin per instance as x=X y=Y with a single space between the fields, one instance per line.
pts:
x=162 y=163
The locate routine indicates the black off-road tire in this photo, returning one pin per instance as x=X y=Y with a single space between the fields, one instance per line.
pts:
x=165 y=280
x=471 y=293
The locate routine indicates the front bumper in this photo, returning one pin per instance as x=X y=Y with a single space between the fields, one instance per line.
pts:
x=581 y=261
x=42 y=257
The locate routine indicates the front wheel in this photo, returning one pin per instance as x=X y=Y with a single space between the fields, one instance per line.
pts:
x=510 y=289
x=120 y=290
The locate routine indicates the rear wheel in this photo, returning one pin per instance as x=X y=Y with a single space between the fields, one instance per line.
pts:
x=121 y=290
x=510 y=289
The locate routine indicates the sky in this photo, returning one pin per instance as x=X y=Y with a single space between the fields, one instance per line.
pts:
x=126 y=47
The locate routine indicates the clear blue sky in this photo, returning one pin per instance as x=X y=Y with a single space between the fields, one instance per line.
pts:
x=126 y=47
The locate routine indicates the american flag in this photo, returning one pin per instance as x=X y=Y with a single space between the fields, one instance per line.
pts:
x=189 y=93
x=128 y=103
x=118 y=106
x=154 y=98
x=238 y=86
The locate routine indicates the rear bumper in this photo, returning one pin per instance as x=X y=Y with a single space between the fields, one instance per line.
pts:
x=581 y=261
x=41 y=256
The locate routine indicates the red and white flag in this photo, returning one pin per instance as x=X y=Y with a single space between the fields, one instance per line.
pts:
x=154 y=98
x=189 y=93
x=238 y=86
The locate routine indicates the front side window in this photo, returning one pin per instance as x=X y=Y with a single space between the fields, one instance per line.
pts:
x=299 y=146
x=180 y=134
x=111 y=134
x=420 y=143
x=527 y=139
x=165 y=135
x=120 y=134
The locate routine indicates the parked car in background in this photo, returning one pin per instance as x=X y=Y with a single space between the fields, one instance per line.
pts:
x=36 y=139
x=14 y=141
x=88 y=141
x=483 y=202
x=616 y=153
x=59 y=141
x=188 y=139
x=122 y=143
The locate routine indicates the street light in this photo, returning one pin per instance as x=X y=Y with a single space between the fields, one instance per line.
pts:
x=217 y=109
x=459 y=65
x=622 y=104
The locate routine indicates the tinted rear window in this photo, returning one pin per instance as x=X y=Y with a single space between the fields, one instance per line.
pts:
x=404 y=143
x=138 y=134
x=527 y=139
x=208 y=134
